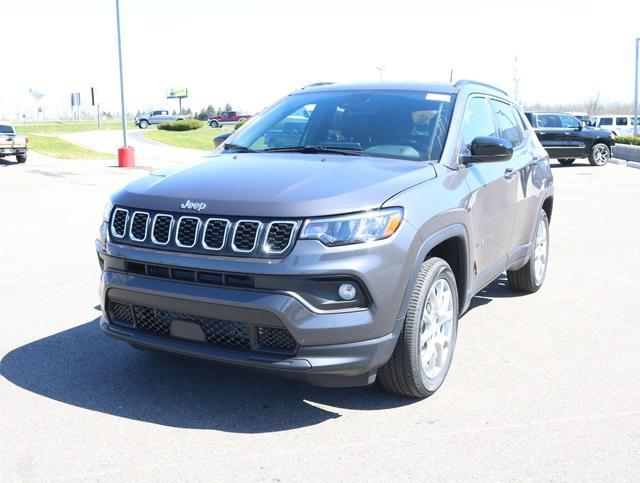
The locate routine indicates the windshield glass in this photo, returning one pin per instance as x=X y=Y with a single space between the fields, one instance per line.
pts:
x=4 y=129
x=391 y=124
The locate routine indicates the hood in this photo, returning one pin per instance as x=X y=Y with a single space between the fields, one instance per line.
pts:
x=287 y=185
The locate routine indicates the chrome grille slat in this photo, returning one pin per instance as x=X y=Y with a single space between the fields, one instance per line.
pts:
x=138 y=226
x=187 y=231
x=119 y=222
x=161 y=228
x=245 y=235
x=214 y=235
x=279 y=236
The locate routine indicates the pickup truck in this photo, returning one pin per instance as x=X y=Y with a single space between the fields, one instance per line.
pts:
x=12 y=144
x=566 y=138
x=227 y=117
x=156 y=117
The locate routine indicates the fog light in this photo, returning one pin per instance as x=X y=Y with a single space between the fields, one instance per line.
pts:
x=347 y=291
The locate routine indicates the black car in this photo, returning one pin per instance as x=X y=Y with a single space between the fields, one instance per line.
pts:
x=566 y=138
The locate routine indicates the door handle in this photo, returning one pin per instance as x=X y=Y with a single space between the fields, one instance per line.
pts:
x=509 y=173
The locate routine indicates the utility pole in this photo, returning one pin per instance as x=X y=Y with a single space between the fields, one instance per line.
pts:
x=635 y=92
x=451 y=77
x=125 y=153
x=381 y=70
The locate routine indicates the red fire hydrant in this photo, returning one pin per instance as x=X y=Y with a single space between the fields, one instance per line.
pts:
x=126 y=157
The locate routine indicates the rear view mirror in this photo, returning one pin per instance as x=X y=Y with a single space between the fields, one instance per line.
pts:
x=487 y=149
x=218 y=140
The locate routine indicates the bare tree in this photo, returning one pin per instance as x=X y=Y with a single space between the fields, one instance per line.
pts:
x=592 y=106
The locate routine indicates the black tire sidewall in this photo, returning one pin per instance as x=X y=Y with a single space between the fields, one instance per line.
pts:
x=542 y=215
x=593 y=157
x=439 y=270
x=143 y=124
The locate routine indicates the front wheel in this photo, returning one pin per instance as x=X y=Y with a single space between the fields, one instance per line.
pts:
x=600 y=154
x=566 y=162
x=144 y=124
x=422 y=356
x=530 y=277
x=214 y=124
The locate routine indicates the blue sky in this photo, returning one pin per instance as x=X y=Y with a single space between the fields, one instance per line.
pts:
x=249 y=53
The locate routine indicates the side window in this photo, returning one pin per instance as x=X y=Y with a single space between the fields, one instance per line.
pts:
x=606 y=121
x=478 y=121
x=507 y=123
x=548 y=120
x=569 y=122
x=621 y=121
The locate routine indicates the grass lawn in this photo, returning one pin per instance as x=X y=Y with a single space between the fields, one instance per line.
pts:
x=59 y=148
x=43 y=138
x=197 y=139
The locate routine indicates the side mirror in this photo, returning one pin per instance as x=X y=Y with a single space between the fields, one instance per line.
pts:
x=488 y=150
x=583 y=124
x=218 y=140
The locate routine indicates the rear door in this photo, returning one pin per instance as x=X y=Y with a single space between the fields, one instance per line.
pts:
x=492 y=204
x=575 y=144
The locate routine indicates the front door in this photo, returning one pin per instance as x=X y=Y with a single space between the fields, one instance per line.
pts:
x=492 y=204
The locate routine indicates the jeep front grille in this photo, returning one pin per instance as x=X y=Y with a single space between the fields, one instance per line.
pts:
x=204 y=234
x=228 y=334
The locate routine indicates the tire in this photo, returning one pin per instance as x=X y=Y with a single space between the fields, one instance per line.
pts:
x=406 y=372
x=143 y=124
x=21 y=158
x=599 y=155
x=566 y=162
x=214 y=124
x=528 y=279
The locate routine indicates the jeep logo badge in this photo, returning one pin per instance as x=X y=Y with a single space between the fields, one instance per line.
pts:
x=193 y=205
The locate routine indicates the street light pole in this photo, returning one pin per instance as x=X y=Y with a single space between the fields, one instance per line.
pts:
x=125 y=153
x=381 y=69
x=635 y=92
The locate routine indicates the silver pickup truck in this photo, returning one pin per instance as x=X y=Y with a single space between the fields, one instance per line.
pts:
x=155 y=117
x=12 y=144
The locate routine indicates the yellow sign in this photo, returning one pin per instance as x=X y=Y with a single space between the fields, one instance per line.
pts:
x=174 y=92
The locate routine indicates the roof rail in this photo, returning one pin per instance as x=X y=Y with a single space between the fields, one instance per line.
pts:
x=465 y=82
x=317 y=84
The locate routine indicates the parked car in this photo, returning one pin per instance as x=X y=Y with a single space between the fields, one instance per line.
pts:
x=337 y=253
x=565 y=138
x=12 y=144
x=226 y=118
x=156 y=117
x=619 y=125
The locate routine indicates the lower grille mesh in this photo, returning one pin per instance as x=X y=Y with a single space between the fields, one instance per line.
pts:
x=228 y=334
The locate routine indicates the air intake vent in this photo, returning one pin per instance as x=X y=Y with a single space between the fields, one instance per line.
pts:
x=119 y=222
x=187 y=231
x=279 y=236
x=215 y=233
x=161 y=229
x=245 y=236
x=139 y=222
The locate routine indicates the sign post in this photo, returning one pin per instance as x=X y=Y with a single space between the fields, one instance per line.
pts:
x=178 y=93
x=635 y=92
x=95 y=103
x=126 y=157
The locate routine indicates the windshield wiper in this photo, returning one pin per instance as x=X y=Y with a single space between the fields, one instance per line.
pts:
x=316 y=149
x=238 y=147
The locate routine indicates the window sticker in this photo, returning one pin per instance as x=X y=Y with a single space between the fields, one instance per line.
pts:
x=431 y=96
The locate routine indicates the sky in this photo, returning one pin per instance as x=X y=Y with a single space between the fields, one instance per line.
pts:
x=250 y=53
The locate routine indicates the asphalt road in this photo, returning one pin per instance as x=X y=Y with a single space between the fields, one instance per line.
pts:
x=543 y=386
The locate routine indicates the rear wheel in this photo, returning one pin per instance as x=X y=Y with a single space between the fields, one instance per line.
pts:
x=21 y=158
x=422 y=356
x=600 y=154
x=144 y=124
x=566 y=162
x=530 y=277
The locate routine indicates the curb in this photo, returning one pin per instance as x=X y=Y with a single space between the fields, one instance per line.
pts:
x=633 y=164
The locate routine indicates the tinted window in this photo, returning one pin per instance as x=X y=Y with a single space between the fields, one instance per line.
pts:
x=478 y=121
x=606 y=121
x=621 y=121
x=507 y=122
x=381 y=123
x=548 y=120
x=569 y=122
x=4 y=129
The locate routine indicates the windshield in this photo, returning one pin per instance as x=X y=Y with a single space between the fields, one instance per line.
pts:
x=391 y=124
x=4 y=129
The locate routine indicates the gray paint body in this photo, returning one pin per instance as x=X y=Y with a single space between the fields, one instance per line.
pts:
x=492 y=215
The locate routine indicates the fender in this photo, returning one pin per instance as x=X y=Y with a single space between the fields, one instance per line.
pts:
x=452 y=231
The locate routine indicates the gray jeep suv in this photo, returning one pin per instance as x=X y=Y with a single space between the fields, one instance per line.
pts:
x=337 y=237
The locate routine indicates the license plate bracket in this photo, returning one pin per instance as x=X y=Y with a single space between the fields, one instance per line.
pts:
x=184 y=329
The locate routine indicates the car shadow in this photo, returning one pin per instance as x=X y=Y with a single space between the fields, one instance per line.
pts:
x=5 y=162
x=82 y=367
x=499 y=288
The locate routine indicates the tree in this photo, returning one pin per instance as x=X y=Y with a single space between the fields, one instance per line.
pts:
x=593 y=106
x=227 y=107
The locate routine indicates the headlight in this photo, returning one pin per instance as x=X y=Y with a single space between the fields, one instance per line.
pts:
x=106 y=213
x=357 y=228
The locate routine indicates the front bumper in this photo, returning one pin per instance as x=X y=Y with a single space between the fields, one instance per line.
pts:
x=333 y=348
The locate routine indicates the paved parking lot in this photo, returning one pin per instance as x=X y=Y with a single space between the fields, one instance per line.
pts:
x=545 y=386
